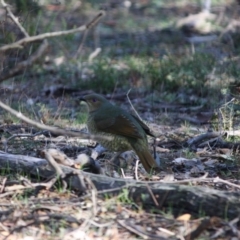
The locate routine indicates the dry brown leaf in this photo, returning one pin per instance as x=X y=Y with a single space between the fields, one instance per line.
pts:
x=184 y=217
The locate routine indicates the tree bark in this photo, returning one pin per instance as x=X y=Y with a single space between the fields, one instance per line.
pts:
x=152 y=196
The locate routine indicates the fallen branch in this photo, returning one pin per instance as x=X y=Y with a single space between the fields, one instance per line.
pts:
x=15 y=20
x=43 y=47
x=54 y=130
x=198 y=139
x=20 y=43
x=27 y=63
x=169 y=196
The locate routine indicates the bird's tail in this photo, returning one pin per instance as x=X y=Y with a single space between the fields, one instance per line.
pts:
x=147 y=160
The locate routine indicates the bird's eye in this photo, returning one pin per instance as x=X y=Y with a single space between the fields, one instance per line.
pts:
x=94 y=100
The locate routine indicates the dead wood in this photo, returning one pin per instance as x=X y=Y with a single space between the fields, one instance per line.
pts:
x=151 y=195
x=54 y=130
x=20 y=43
x=26 y=63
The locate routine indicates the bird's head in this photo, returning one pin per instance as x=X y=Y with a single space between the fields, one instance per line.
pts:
x=94 y=101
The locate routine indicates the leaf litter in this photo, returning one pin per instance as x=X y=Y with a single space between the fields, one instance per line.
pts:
x=188 y=151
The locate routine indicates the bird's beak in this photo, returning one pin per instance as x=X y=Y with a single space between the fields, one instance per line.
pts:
x=82 y=99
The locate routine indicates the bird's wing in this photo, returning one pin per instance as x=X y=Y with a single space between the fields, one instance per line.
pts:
x=120 y=125
x=144 y=126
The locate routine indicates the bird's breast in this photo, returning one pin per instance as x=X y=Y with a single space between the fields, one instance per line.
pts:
x=117 y=143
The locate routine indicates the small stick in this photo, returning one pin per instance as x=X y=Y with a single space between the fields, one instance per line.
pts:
x=54 y=130
x=132 y=105
x=21 y=42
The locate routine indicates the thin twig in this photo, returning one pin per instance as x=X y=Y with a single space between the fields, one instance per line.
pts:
x=131 y=228
x=21 y=135
x=81 y=44
x=132 y=105
x=27 y=63
x=152 y=195
x=54 y=130
x=88 y=27
x=101 y=225
x=20 y=187
x=217 y=179
x=3 y=185
x=93 y=195
x=20 y=43
x=204 y=179
x=94 y=54
x=57 y=169
x=33 y=58
x=136 y=170
x=123 y=174
x=15 y=20
x=54 y=164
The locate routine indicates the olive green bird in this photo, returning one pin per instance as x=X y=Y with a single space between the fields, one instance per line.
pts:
x=126 y=131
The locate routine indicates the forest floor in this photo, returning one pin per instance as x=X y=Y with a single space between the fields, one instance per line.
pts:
x=174 y=67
